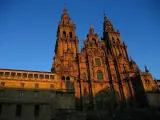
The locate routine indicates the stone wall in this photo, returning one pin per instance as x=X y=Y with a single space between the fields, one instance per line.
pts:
x=33 y=105
x=153 y=99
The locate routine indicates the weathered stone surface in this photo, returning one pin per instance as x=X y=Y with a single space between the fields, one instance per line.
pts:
x=98 y=80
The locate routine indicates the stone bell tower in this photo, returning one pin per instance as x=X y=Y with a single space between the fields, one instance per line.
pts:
x=66 y=48
x=113 y=41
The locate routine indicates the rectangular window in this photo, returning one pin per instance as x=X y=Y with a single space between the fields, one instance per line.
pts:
x=52 y=77
x=7 y=74
x=70 y=34
x=36 y=94
x=3 y=84
x=0 y=109
x=98 y=61
x=36 y=85
x=36 y=76
x=30 y=75
x=19 y=74
x=22 y=85
x=46 y=76
x=24 y=75
x=1 y=73
x=1 y=93
x=51 y=85
x=18 y=110
x=52 y=94
x=41 y=76
x=36 y=110
x=21 y=93
x=13 y=74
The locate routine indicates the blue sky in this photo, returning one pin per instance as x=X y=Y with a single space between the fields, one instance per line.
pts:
x=28 y=29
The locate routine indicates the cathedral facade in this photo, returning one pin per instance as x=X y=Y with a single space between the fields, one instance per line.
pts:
x=100 y=76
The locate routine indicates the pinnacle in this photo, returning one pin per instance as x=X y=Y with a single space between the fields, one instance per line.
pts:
x=65 y=8
x=91 y=27
x=105 y=17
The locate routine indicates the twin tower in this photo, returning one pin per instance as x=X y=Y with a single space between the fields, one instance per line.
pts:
x=101 y=65
x=66 y=49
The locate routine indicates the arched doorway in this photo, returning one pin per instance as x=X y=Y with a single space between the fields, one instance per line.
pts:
x=106 y=99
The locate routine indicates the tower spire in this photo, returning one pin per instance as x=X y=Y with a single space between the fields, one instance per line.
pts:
x=65 y=18
x=91 y=26
x=105 y=17
x=66 y=45
x=65 y=8
x=108 y=27
x=146 y=69
x=91 y=29
x=131 y=58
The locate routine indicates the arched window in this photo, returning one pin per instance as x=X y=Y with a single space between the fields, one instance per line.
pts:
x=70 y=34
x=64 y=33
x=67 y=78
x=98 y=61
x=99 y=75
x=147 y=82
x=118 y=40
x=113 y=40
x=84 y=76
x=63 y=78
x=94 y=40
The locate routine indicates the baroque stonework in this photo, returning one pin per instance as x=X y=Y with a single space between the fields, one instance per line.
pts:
x=101 y=73
x=101 y=63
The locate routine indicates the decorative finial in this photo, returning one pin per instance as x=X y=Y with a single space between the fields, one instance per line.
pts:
x=146 y=69
x=91 y=26
x=155 y=80
x=91 y=30
x=103 y=12
x=105 y=17
x=131 y=58
x=65 y=8
x=124 y=43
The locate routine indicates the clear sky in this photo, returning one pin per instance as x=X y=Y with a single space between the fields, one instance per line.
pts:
x=28 y=29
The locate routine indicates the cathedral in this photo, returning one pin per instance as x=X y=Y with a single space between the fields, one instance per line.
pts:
x=100 y=76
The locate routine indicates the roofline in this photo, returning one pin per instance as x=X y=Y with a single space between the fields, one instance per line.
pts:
x=25 y=70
